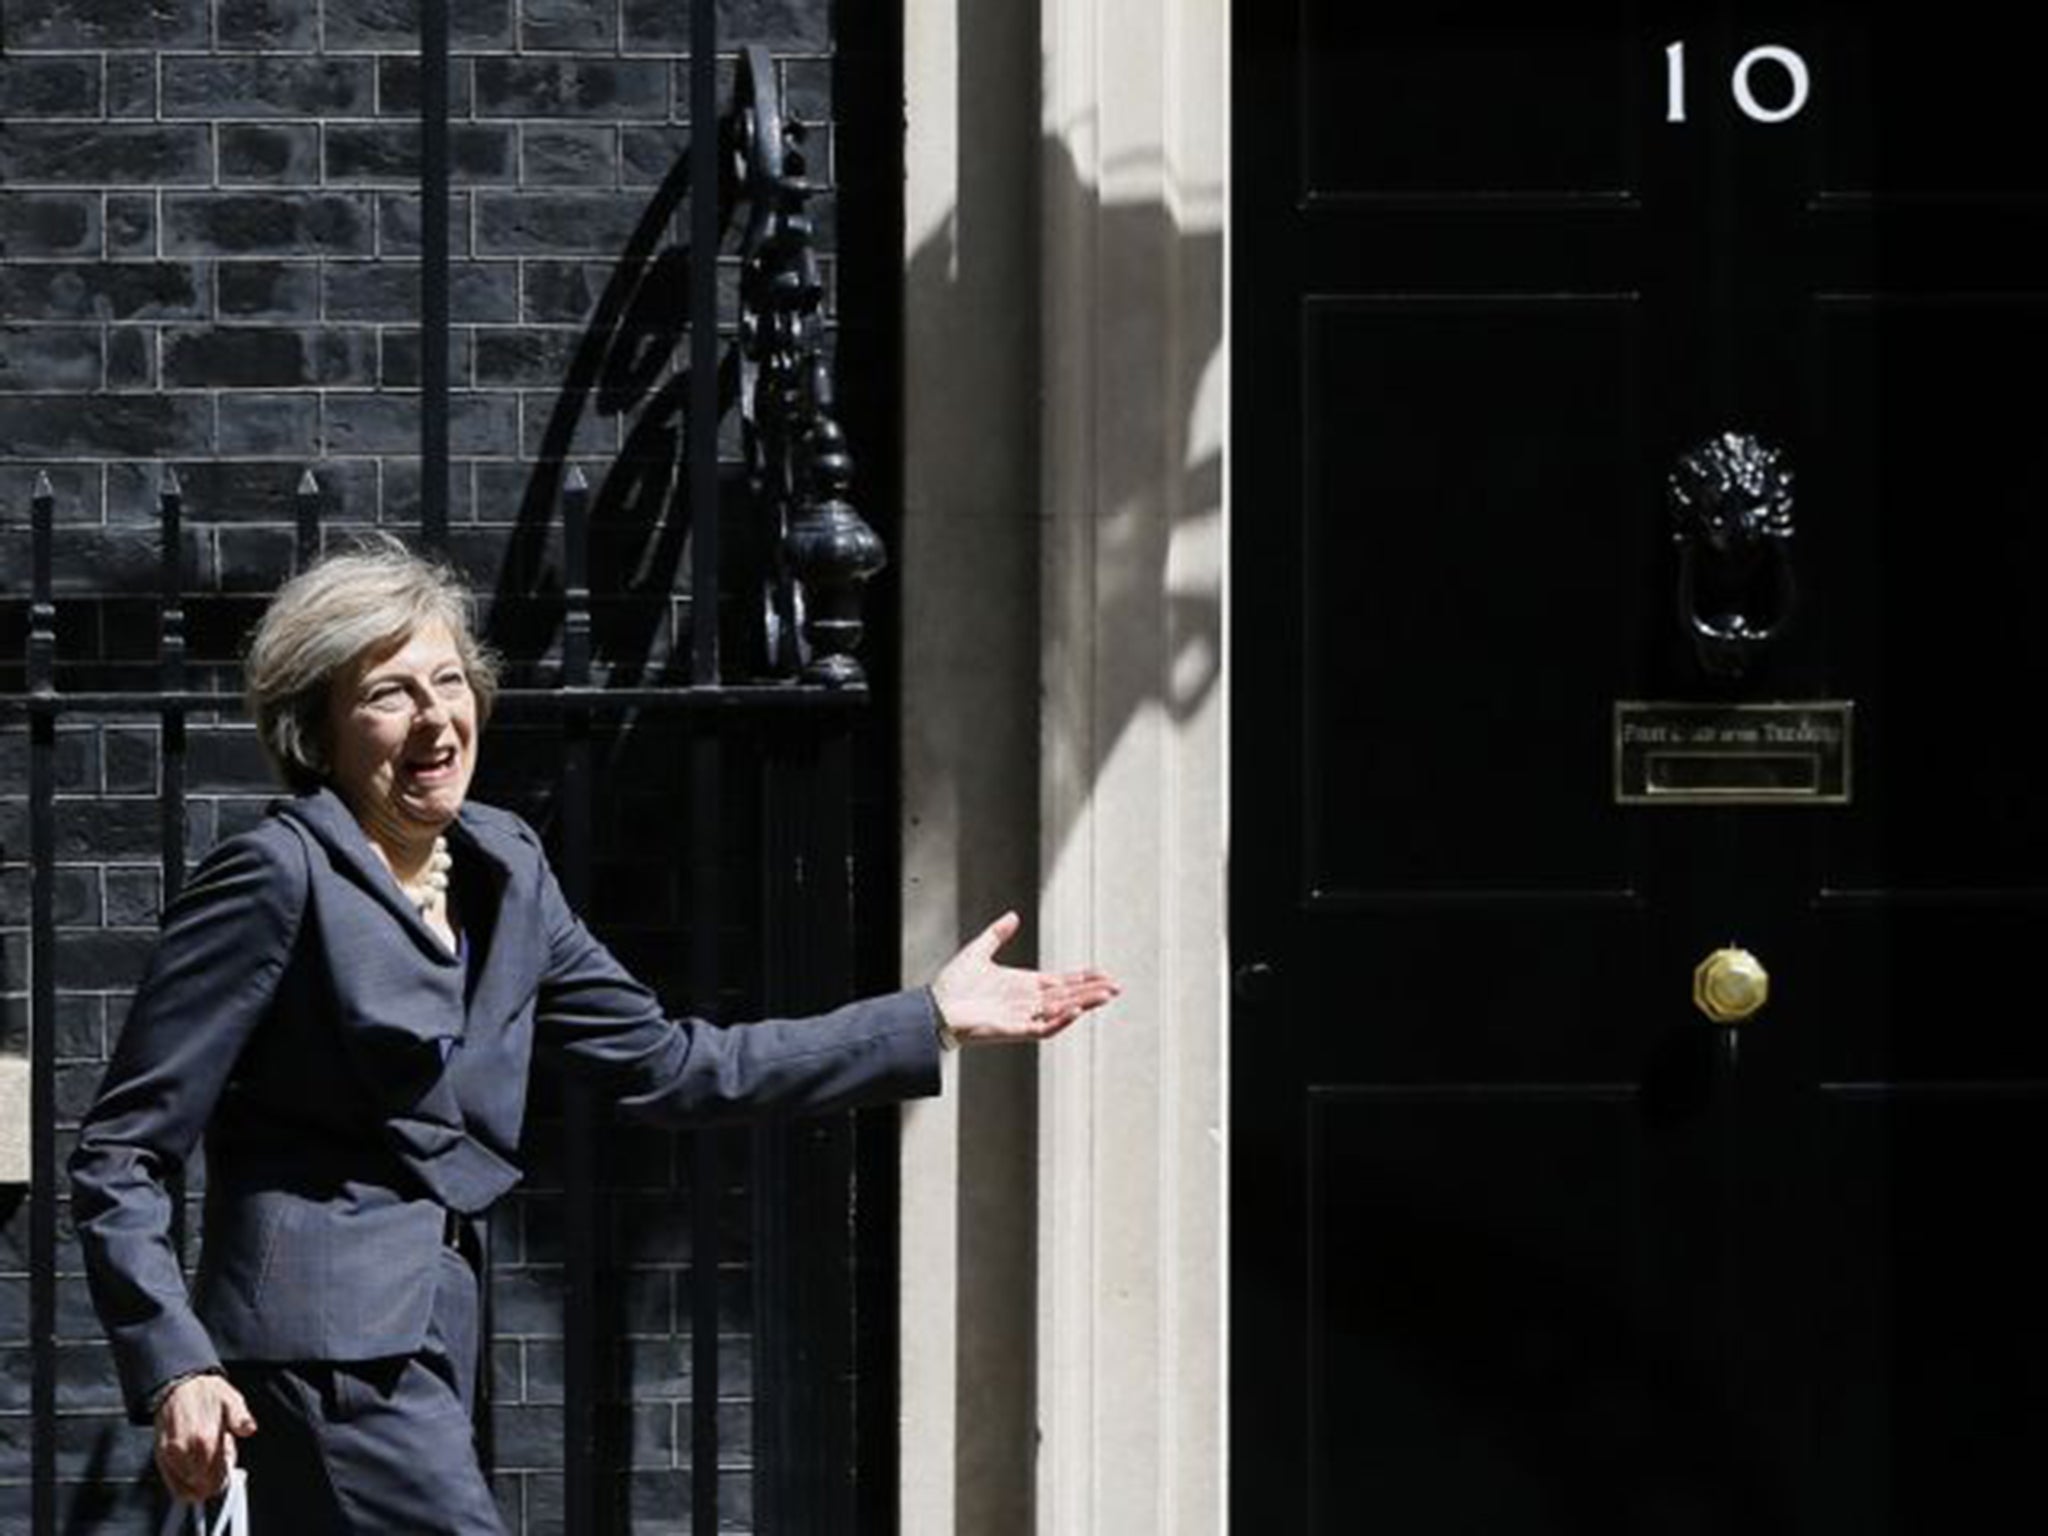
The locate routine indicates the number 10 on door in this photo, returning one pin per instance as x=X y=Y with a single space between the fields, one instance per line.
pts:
x=1742 y=83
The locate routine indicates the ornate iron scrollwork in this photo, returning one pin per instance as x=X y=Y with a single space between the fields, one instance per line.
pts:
x=800 y=472
x=1731 y=511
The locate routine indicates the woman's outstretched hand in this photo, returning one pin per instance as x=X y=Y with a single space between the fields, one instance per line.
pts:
x=981 y=1001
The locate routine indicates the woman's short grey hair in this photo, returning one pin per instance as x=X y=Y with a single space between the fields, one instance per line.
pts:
x=338 y=608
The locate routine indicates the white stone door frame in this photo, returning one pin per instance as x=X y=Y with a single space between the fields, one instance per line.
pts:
x=1121 y=396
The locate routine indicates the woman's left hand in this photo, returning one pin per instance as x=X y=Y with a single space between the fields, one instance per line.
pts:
x=981 y=1001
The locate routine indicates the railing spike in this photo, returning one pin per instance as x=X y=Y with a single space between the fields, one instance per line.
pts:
x=308 y=517
x=575 y=481
x=43 y=491
x=168 y=484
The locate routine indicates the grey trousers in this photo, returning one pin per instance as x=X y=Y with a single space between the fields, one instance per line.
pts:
x=380 y=1446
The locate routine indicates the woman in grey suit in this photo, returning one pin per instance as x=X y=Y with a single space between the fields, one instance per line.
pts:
x=345 y=1002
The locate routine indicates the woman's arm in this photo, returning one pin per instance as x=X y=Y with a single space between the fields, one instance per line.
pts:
x=876 y=1050
x=606 y=1022
x=225 y=941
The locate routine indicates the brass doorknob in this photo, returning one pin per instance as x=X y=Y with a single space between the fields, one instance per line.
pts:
x=1730 y=985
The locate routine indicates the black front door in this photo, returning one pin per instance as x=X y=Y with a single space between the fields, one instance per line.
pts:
x=1523 y=1240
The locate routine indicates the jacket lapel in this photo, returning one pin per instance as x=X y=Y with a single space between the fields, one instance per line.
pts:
x=501 y=959
x=324 y=815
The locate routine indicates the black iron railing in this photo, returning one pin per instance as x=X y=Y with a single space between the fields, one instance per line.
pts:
x=794 y=583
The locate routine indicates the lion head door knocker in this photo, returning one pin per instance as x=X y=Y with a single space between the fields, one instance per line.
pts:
x=1731 y=513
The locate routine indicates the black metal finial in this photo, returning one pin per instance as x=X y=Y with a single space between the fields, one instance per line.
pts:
x=798 y=463
x=170 y=607
x=833 y=552
x=42 y=612
x=576 y=643
x=306 y=503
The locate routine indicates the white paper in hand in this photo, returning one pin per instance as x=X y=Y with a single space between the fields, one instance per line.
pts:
x=231 y=1520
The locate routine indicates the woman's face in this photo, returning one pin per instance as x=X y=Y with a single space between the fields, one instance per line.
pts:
x=402 y=732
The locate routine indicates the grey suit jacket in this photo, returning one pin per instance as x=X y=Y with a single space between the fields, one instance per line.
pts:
x=354 y=1082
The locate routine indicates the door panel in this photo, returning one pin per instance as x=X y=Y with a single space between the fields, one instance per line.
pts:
x=1398 y=102
x=1944 y=105
x=1926 y=430
x=1521 y=1241
x=1932 y=1406
x=1491 y=1396
x=1443 y=441
x=1929 y=989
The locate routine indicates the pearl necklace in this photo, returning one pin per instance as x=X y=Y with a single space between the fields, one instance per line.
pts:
x=432 y=884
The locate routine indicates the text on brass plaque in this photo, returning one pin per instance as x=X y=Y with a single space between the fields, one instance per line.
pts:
x=1732 y=754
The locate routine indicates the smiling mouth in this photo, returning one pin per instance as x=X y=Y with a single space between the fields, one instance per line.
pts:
x=435 y=765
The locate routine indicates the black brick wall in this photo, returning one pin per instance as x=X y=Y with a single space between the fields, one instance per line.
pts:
x=209 y=239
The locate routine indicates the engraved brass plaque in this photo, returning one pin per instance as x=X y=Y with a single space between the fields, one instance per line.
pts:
x=1733 y=754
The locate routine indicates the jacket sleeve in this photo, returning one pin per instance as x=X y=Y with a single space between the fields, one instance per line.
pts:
x=224 y=944
x=607 y=1024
